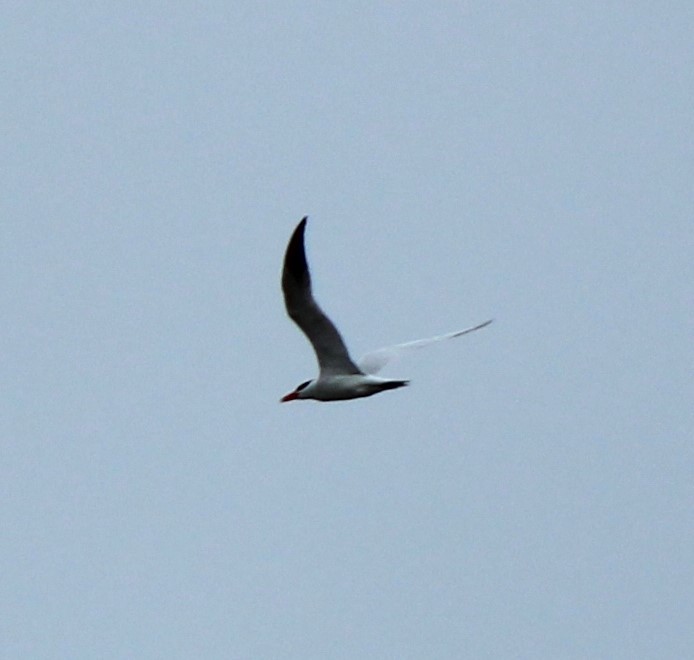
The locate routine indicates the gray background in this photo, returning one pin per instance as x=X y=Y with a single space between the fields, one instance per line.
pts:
x=529 y=496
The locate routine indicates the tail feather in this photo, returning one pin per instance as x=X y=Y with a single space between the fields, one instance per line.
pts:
x=394 y=384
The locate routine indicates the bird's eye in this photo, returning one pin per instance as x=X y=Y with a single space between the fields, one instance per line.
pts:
x=303 y=385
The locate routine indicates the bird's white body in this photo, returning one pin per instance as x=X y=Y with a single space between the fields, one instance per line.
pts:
x=348 y=386
x=340 y=377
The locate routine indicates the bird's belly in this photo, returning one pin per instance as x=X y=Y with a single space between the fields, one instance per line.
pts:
x=337 y=388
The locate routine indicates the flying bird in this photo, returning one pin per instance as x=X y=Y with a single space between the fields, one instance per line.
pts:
x=339 y=376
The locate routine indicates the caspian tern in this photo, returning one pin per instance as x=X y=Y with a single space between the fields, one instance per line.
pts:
x=339 y=377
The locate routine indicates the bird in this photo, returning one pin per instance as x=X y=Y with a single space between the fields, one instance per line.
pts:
x=340 y=377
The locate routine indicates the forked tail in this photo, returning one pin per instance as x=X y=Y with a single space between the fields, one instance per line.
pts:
x=394 y=384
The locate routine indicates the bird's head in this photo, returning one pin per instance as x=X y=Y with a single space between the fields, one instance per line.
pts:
x=298 y=393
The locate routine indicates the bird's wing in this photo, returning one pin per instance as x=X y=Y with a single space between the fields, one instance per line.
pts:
x=376 y=360
x=331 y=352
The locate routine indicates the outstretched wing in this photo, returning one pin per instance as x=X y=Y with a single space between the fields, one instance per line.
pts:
x=331 y=352
x=376 y=360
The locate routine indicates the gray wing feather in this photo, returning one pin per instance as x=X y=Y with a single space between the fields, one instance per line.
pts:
x=376 y=360
x=330 y=349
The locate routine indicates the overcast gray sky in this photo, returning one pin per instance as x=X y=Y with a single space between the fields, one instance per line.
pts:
x=531 y=495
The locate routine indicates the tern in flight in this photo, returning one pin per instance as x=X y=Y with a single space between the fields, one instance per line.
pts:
x=339 y=376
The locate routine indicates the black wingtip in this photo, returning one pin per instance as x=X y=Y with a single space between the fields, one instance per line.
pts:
x=295 y=265
x=301 y=227
x=298 y=233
